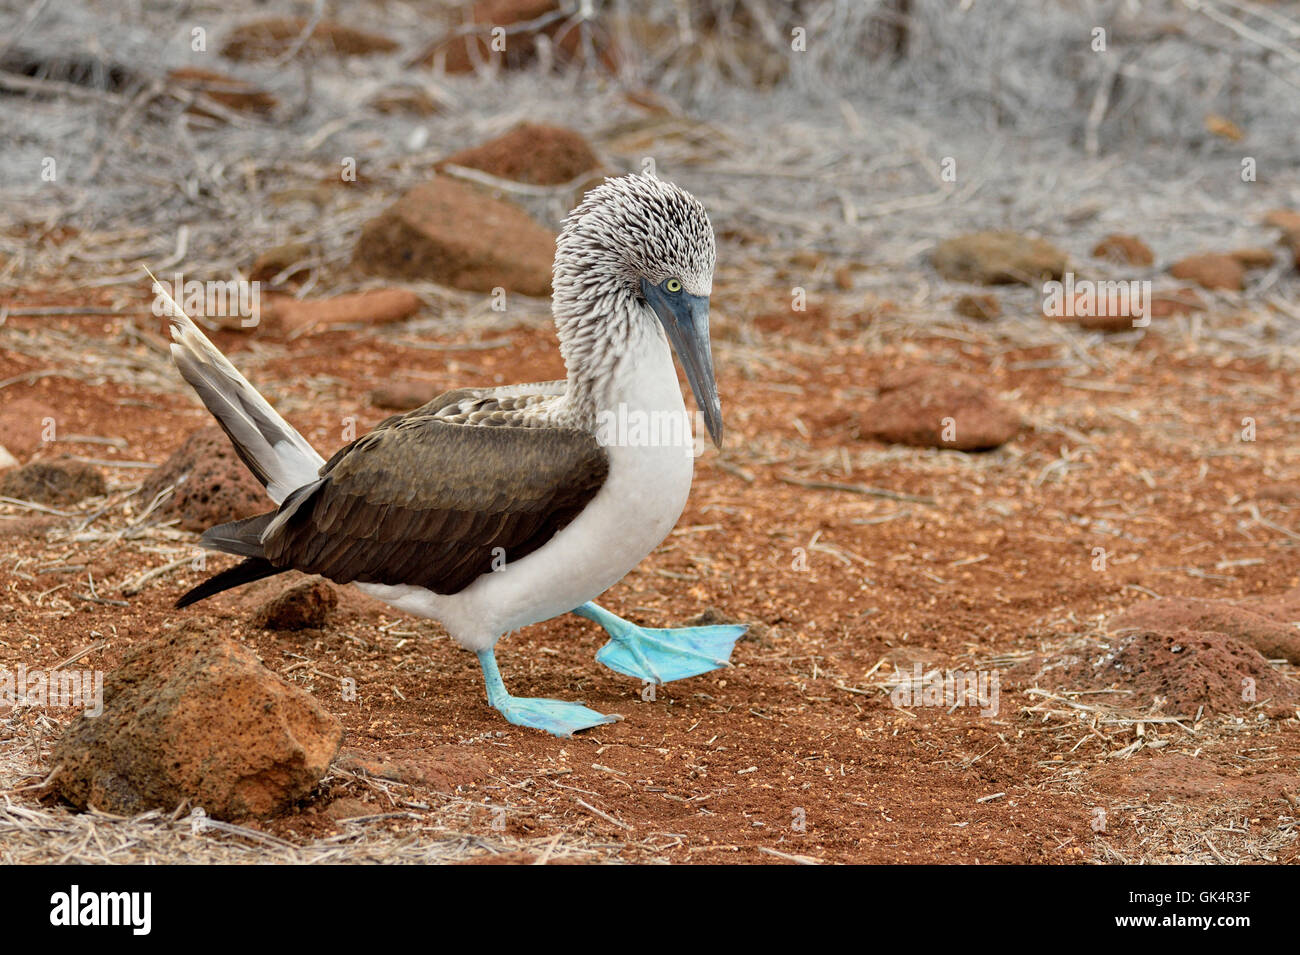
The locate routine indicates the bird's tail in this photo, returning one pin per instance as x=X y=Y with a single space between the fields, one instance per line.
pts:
x=245 y=572
x=242 y=537
x=277 y=454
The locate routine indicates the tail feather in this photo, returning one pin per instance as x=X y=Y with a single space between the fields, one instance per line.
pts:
x=245 y=572
x=274 y=451
x=238 y=537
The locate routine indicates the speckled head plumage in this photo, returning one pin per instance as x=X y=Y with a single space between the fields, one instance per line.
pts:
x=633 y=228
x=635 y=258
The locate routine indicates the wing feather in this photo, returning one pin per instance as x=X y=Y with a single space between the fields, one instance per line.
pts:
x=430 y=502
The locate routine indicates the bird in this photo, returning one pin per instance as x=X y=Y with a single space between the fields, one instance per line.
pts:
x=489 y=509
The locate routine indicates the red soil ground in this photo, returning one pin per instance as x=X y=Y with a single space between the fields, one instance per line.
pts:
x=798 y=750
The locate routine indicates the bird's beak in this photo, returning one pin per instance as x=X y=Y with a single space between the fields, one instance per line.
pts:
x=686 y=320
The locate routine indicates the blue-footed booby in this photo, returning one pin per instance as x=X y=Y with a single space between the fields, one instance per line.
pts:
x=489 y=509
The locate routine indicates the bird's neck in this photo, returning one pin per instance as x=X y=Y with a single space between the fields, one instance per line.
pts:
x=598 y=331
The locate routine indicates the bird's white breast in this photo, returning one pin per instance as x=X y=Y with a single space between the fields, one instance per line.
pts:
x=650 y=444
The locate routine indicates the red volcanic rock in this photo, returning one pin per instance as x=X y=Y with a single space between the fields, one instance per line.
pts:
x=1211 y=270
x=374 y=306
x=274 y=36
x=998 y=258
x=532 y=153
x=304 y=606
x=210 y=484
x=459 y=52
x=60 y=481
x=1124 y=250
x=459 y=235
x=933 y=408
x=196 y=718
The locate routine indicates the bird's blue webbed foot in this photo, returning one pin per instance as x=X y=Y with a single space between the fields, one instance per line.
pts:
x=554 y=716
x=660 y=656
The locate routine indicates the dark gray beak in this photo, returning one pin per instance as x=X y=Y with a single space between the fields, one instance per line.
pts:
x=686 y=320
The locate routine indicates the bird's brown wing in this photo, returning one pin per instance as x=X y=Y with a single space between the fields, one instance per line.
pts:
x=429 y=502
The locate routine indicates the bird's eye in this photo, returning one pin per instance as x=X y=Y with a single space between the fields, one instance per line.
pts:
x=673 y=285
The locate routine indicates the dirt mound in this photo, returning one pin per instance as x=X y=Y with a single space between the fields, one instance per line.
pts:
x=532 y=153
x=422 y=236
x=998 y=258
x=196 y=718
x=304 y=606
x=1177 y=673
x=211 y=484
x=932 y=408
x=61 y=481
x=376 y=306
x=1189 y=779
x=1284 y=607
x=1265 y=625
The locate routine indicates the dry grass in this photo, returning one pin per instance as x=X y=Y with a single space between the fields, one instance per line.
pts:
x=38 y=835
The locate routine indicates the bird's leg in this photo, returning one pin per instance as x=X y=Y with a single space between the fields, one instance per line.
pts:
x=660 y=656
x=555 y=716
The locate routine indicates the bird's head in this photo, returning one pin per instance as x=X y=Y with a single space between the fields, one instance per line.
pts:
x=641 y=240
